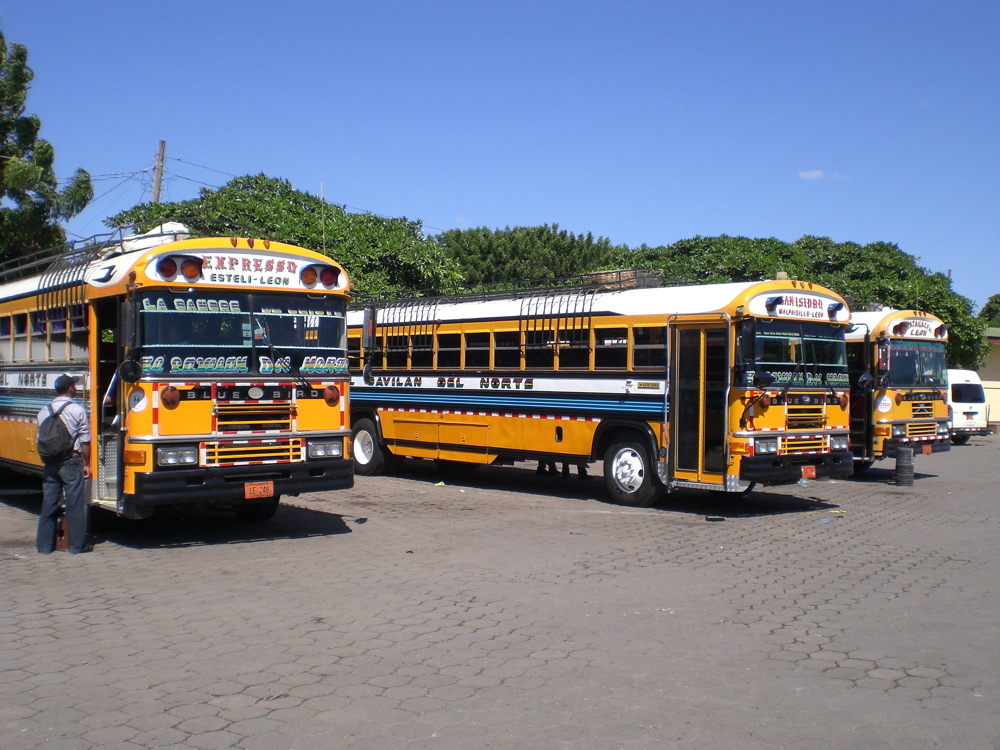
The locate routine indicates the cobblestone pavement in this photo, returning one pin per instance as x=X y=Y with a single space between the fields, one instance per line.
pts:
x=504 y=610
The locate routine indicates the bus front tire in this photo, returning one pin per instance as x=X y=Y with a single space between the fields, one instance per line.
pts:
x=959 y=439
x=370 y=457
x=629 y=475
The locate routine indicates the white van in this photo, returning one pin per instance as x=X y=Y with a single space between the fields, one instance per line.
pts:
x=967 y=409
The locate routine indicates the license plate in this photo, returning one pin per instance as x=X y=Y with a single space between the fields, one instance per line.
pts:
x=253 y=490
x=808 y=472
x=927 y=450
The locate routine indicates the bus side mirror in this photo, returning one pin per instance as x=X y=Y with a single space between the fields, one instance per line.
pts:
x=762 y=379
x=865 y=381
x=130 y=371
x=129 y=323
x=368 y=329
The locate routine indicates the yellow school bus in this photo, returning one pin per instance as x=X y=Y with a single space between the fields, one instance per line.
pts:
x=713 y=387
x=899 y=377
x=214 y=369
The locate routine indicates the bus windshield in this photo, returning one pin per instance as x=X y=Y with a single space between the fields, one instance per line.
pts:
x=917 y=363
x=242 y=333
x=803 y=354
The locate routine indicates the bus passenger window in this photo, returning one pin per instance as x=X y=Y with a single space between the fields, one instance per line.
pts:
x=574 y=349
x=649 y=350
x=5 y=339
x=507 y=350
x=354 y=353
x=449 y=351
x=611 y=349
x=395 y=352
x=539 y=352
x=477 y=351
x=422 y=354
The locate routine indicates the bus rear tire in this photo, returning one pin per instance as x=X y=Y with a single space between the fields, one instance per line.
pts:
x=959 y=439
x=629 y=476
x=257 y=512
x=371 y=458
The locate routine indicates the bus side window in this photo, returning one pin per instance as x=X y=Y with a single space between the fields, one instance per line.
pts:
x=477 y=351
x=422 y=352
x=21 y=337
x=395 y=352
x=648 y=349
x=354 y=353
x=539 y=352
x=574 y=349
x=611 y=349
x=5 y=339
x=507 y=350
x=449 y=351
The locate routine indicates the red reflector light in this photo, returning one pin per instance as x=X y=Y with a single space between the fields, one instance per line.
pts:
x=167 y=268
x=170 y=397
x=899 y=399
x=191 y=268
x=309 y=275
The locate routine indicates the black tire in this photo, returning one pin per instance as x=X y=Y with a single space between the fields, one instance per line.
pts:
x=370 y=457
x=257 y=512
x=630 y=476
x=959 y=439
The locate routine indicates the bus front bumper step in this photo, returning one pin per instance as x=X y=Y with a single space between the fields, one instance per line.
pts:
x=786 y=469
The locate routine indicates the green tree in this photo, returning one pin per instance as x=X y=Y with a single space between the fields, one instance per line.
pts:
x=990 y=314
x=384 y=257
x=878 y=273
x=524 y=256
x=32 y=205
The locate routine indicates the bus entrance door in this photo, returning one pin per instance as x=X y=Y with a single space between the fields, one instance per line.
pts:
x=699 y=377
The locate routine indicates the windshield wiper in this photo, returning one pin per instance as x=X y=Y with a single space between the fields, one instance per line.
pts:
x=272 y=350
x=784 y=391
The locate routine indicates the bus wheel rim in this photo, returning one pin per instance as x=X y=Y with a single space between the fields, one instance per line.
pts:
x=365 y=447
x=628 y=471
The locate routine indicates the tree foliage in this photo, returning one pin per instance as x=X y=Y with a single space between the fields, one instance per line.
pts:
x=384 y=257
x=32 y=205
x=524 y=256
x=875 y=274
x=990 y=314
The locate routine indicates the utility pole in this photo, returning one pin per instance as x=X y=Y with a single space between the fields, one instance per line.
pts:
x=158 y=171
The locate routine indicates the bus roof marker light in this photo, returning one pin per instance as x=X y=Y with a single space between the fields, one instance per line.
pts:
x=233 y=241
x=329 y=276
x=309 y=275
x=167 y=267
x=250 y=243
x=191 y=268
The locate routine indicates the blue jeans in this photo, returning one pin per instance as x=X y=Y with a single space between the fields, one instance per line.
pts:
x=61 y=480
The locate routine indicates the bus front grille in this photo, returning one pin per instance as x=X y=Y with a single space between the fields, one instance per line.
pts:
x=921 y=429
x=254 y=418
x=248 y=452
x=804 y=444
x=805 y=417
x=923 y=410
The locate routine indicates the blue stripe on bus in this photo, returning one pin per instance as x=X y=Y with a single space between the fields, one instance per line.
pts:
x=481 y=402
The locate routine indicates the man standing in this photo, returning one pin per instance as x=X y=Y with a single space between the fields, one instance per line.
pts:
x=66 y=476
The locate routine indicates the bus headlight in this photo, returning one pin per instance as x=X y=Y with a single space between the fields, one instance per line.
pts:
x=839 y=443
x=176 y=456
x=943 y=429
x=899 y=430
x=765 y=446
x=326 y=450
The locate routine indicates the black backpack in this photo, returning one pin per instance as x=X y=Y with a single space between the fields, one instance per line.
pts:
x=55 y=444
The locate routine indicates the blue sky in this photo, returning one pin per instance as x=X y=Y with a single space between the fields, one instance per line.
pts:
x=642 y=122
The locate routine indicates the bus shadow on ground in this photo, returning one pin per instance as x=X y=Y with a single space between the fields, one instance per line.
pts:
x=184 y=526
x=884 y=475
x=521 y=478
x=193 y=526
